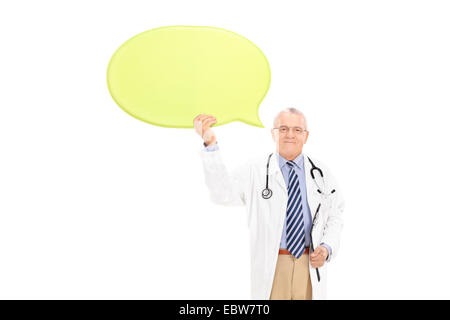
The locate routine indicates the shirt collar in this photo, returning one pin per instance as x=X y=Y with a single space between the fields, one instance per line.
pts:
x=298 y=161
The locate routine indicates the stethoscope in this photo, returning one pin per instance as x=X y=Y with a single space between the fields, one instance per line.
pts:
x=267 y=193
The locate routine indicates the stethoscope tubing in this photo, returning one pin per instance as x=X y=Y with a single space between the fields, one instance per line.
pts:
x=310 y=236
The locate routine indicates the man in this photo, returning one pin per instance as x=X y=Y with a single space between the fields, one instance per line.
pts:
x=302 y=211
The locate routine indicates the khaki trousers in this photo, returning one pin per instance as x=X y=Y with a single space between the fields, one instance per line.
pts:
x=292 y=281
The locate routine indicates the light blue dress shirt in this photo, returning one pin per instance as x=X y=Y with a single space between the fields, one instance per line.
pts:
x=300 y=171
x=212 y=147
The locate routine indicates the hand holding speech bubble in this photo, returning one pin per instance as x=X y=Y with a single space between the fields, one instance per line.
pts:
x=167 y=76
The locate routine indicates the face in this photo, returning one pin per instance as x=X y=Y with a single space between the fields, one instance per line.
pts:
x=289 y=144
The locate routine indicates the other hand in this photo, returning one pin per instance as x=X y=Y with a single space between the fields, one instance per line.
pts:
x=318 y=257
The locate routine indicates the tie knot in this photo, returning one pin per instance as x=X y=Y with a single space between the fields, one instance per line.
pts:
x=290 y=163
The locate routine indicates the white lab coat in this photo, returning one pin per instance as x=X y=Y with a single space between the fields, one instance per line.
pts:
x=265 y=217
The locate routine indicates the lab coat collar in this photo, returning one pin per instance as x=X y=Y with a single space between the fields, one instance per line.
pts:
x=298 y=161
x=274 y=167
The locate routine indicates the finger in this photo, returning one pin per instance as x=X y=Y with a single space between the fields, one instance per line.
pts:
x=317 y=265
x=199 y=124
x=317 y=262
x=208 y=123
x=204 y=118
x=198 y=120
x=197 y=117
x=200 y=117
x=210 y=118
x=321 y=251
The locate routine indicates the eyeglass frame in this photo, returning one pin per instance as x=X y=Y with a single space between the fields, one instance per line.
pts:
x=289 y=129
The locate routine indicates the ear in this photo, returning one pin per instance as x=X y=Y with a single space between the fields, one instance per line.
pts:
x=273 y=134
x=306 y=136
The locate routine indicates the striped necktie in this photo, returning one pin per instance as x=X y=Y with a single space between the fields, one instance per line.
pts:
x=295 y=231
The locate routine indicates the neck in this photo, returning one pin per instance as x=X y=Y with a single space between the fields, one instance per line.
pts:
x=290 y=156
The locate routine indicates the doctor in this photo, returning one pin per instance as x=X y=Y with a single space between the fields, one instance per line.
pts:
x=294 y=209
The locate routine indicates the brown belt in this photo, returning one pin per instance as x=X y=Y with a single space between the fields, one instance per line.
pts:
x=285 y=251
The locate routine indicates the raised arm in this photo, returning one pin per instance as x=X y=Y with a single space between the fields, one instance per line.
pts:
x=226 y=188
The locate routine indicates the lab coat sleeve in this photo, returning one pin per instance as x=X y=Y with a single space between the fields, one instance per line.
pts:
x=330 y=251
x=225 y=187
x=334 y=223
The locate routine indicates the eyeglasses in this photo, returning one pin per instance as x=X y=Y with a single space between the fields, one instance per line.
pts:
x=285 y=129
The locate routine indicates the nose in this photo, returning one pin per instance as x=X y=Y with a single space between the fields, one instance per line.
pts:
x=290 y=133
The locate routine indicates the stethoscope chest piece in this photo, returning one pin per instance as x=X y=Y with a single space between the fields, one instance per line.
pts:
x=266 y=193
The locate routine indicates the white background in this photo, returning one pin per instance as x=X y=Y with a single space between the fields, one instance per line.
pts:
x=95 y=204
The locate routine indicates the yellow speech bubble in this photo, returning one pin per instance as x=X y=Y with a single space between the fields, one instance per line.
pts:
x=167 y=76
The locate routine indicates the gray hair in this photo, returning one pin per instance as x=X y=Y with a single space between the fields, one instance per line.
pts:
x=290 y=110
